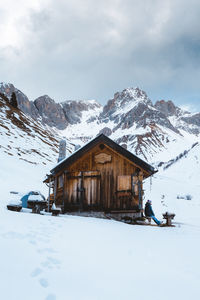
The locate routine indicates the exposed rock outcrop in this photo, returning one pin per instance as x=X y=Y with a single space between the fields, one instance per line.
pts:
x=74 y=109
x=183 y=120
x=51 y=112
x=168 y=108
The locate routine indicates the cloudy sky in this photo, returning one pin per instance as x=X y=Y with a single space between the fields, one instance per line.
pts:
x=89 y=49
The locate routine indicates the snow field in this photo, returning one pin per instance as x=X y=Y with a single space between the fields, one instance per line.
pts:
x=67 y=257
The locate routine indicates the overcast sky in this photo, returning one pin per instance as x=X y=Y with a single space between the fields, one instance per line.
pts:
x=89 y=49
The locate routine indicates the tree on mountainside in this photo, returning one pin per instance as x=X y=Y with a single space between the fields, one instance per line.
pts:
x=4 y=97
x=13 y=100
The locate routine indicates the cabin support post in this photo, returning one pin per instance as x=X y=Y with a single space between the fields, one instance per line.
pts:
x=65 y=193
x=49 y=192
x=63 y=197
x=55 y=189
x=140 y=194
x=82 y=191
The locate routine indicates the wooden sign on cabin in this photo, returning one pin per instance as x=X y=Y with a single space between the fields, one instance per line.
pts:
x=102 y=158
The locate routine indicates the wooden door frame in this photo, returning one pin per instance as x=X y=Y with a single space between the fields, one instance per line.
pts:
x=82 y=188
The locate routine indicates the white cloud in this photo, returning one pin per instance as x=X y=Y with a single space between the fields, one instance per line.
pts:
x=88 y=49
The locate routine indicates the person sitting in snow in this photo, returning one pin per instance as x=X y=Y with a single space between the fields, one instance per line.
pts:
x=149 y=212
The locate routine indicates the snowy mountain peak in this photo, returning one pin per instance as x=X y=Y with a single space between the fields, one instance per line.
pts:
x=133 y=95
x=168 y=108
x=123 y=102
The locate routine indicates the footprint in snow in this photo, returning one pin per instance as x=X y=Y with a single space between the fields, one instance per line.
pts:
x=32 y=242
x=13 y=235
x=48 y=250
x=51 y=263
x=54 y=260
x=50 y=297
x=43 y=240
x=36 y=272
x=43 y=282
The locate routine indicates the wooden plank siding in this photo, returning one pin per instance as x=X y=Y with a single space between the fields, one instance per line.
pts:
x=99 y=180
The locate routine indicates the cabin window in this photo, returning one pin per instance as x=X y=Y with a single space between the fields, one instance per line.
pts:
x=60 y=181
x=124 y=183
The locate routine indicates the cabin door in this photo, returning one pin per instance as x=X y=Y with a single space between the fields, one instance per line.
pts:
x=91 y=185
x=83 y=190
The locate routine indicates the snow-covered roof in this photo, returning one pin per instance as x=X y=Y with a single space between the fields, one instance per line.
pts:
x=35 y=198
x=104 y=139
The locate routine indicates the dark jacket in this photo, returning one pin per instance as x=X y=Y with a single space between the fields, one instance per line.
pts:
x=148 y=210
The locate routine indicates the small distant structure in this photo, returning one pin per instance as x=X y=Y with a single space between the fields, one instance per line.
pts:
x=62 y=150
x=101 y=176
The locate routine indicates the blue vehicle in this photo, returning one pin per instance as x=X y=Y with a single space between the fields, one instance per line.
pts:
x=25 y=198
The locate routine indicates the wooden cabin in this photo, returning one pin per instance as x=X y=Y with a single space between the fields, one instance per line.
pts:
x=100 y=176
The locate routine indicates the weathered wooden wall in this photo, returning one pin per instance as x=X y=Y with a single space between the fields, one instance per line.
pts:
x=100 y=179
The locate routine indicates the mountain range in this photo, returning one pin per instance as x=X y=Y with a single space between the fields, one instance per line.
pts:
x=155 y=132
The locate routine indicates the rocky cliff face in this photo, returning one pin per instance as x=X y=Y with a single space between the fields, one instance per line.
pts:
x=45 y=109
x=182 y=120
x=51 y=112
x=168 y=108
x=74 y=109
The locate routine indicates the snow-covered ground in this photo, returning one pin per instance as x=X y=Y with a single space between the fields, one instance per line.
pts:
x=18 y=175
x=177 y=188
x=69 y=257
x=44 y=257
